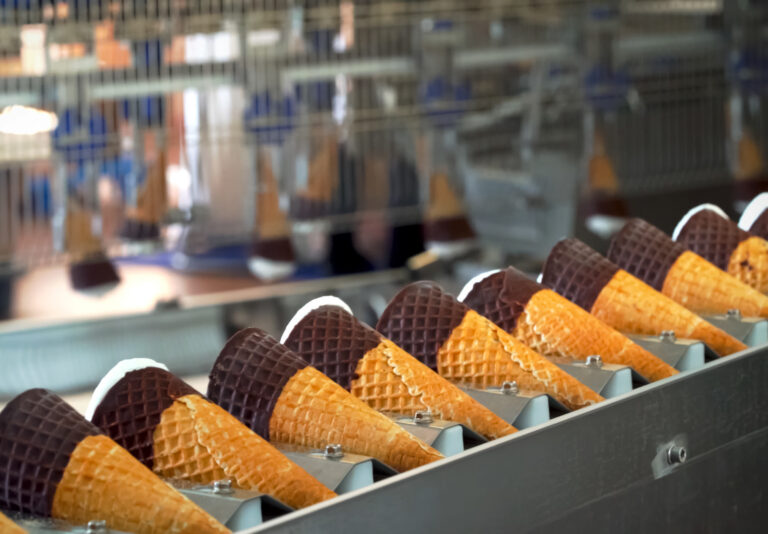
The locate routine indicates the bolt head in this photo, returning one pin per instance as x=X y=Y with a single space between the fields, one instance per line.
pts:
x=677 y=455
x=422 y=417
x=333 y=450
x=222 y=486
x=510 y=388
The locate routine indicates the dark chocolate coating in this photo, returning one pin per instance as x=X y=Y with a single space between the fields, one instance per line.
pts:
x=644 y=251
x=130 y=412
x=333 y=341
x=449 y=229
x=137 y=230
x=577 y=272
x=249 y=375
x=712 y=237
x=93 y=272
x=760 y=226
x=420 y=318
x=502 y=297
x=38 y=433
x=278 y=249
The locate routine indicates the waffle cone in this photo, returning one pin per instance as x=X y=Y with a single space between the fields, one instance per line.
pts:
x=103 y=481
x=703 y=288
x=553 y=326
x=629 y=305
x=78 y=232
x=444 y=203
x=152 y=198
x=271 y=222
x=199 y=441
x=749 y=263
x=391 y=380
x=313 y=411
x=9 y=527
x=480 y=353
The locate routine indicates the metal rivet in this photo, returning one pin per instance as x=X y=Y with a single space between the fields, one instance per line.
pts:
x=668 y=336
x=676 y=455
x=510 y=388
x=734 y=313
x=97 y=525
x=333 y=450
x=594 y=361
x=222 y=486
x=422 y=417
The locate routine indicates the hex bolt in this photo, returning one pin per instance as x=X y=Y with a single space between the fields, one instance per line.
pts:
x=510 y=388
x=422 y=417
x=676 y=454
x=333 y=450
x=96 y=525
x=668 y=335
x=594 y=361
x=734 y=313
x=222 y=487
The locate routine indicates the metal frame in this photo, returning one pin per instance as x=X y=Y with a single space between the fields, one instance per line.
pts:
x=590 y=469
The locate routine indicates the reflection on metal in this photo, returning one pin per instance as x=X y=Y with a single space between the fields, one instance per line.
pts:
x=47 y=525
x=522 y=409
x=445 y=436
x=753 y=331
x=607 y=379
x=670 y=455
x=682 y=354
x=235 y=508
x=590 y=470
x=342 y=474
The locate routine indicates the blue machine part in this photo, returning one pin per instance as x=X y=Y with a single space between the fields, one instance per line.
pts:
x=148 y=111
x=271 y=120
x=606 y=89
x=749 y=70
x=444 y=102
x=80 y=138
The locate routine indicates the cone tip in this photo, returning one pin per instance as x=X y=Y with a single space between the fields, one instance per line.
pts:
x=754 y=209
x=469 y=286
x=114 y=376
x=308 y=308
x=687 y=217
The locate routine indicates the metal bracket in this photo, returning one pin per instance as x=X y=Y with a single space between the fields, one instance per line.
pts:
x=235 y=508
x=607 y=379
x=522 y=409
x=670 y=455
x=447 y=437
x=682 y=354
x=48 y=525
x=752 y=331
x=342 y=472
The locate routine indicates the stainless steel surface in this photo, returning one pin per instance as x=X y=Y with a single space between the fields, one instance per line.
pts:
x=445 y=436
x=591 y=469
x=682 y=354
x=607 y=379
x=39 y=525
x=235 y=508
x=753 y=331
x=520 y=409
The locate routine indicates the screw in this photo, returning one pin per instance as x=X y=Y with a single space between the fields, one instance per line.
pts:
x=510 y=388
x=422 y=417
x=594 y=361
x=222 y=487
x=734 y=313
x=676 y=454
x=96 y=525
x=333 y=450
x=668 y=336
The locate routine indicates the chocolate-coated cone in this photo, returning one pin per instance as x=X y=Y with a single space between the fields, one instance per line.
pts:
x=78 y=233
x=323 y=178
x=649 y=254
x=55 y=463
x=178 y=434
x=708 y=232
x=142 y=222
x=90 y=267
x=622 y=301
x=382 y=374
x=446 y=217
x=464 y=346
x=554 y=326
x=9 y=527
x=272 y=390
x=755 y=216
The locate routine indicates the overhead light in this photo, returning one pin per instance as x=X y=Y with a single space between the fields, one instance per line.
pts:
x=24 y=120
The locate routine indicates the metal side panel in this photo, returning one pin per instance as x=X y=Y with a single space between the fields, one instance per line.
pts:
x=581 y=464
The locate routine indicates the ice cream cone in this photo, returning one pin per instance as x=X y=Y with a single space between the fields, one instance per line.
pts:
x=54 y=463
x=314 y=199
x=447 y=230
x=90 y=267
x=622 y=301
x=552 y=325
x=464 y=346
x=708 y=232
x=379 y=372
x=649 y=254
x=177 y=433
x=755 y=216
x=9 y=527
x=276 y=393
x=142 y=222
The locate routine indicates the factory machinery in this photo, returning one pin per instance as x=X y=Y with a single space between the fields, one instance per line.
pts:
x=158 y=129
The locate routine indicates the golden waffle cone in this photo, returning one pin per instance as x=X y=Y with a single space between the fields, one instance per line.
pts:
x=391 y=380
x=271 y=222
x=103 y=481
x=152 y=200
x=700 y=286
x=482 y=354
x=444 y=203
x=199 y=441
x=751 y=161
x=749 y=263
x=79 y=237
x=553 y=326
x=313 y=411
x=630 y=305
x=9 y=527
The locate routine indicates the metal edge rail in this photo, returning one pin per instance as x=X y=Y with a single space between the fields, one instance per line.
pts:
x=567 y=467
